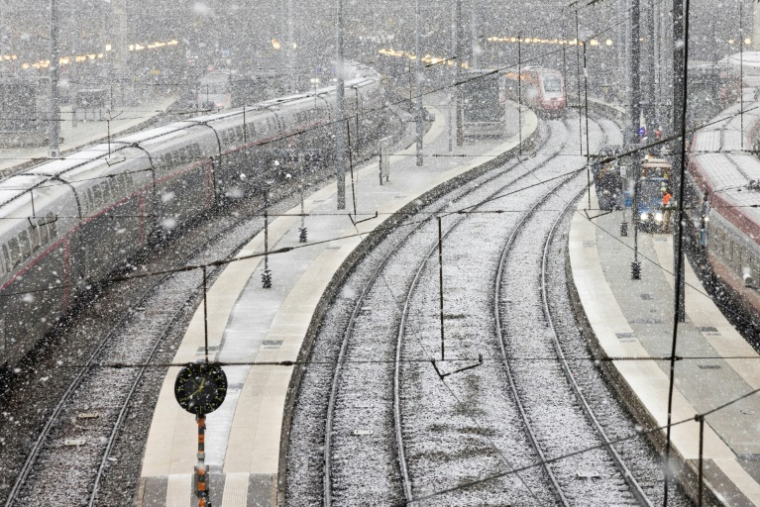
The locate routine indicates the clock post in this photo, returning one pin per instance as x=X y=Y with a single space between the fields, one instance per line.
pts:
x=201 y=475
x=200 y=389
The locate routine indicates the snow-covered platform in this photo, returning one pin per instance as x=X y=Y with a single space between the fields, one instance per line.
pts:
x=250 y=324
x=633 y=319
x=83 y=133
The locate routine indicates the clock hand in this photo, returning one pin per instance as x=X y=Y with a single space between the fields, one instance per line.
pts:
x=200 y=388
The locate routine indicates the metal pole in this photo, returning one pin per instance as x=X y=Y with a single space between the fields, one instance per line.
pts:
x=635 y=98
x=458 y=91
x=205 y=314
x=53 y=149
x=418 y=73
x=351 y=164
x=519 y=91
x=649 y=114
x=632 y=131
x=701 y=420
x=680 y=67
x=440 y=286
x=578 y=77
x=302 y=230
x=680 y=75
x=588 y=149
x=266 y=276
x=741 y=71
x=201 y=473
x=340 y=134
x=453 y=78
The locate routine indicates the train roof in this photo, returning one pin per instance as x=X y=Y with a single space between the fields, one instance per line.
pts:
x=91 y=161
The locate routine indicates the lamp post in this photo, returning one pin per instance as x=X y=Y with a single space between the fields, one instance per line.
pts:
x=418 y=73
x=340 y=130
x=53 y=150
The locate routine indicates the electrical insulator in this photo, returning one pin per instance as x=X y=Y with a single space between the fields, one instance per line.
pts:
x=636 y=270
x=302 y=235
x=266 y=279
x=624 y=229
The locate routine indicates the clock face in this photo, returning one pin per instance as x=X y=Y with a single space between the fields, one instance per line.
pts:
x=200 y=388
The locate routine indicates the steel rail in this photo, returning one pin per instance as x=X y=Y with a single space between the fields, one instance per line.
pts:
x=327 y=475
x=34 y=453
x=636 y=489
x=501 y=340
x=327 y=457
x=405 y=312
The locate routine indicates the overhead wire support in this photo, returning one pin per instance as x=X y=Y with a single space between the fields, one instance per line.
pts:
x=680 y=58
x=418 y=78
x=440 y=288
x=519 y=92
x=340 y=136
x=588 y=145
x=578 y=78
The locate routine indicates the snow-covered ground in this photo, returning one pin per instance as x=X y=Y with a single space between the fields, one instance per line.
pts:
x=399 y=431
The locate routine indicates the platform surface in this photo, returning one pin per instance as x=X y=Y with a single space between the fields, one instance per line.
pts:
x=84 y=133
x=634 y=318
x=250 y=324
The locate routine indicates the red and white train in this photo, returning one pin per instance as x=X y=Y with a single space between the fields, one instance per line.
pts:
x=541 y=89
x=723 y=169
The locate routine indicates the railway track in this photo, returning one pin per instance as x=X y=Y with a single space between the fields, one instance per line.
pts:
x=547 y=172
x=98 y=400
x=356 y=313
x=373 y=431
x=547 y=445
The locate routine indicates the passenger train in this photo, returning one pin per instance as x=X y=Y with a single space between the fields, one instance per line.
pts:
x=73 y=221
x=724 y=206
x=541 y=89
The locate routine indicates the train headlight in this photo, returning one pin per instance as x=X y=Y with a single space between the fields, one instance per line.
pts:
x=658 y=217
x=644 y=216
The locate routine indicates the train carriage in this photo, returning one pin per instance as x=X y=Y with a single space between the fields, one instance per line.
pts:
x=71 y=222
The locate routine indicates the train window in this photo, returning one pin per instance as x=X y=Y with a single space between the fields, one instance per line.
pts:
x=90 y=203
x=43 y=231
x=14 y=251
x=35 y=237
x=26 y=245
x=196 y=150
x=118 y=190
x=7 y=264
x=106 y=189
x=51 y=225
x=97 y=200
x=239 y=131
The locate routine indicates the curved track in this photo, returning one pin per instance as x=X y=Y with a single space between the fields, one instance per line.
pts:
x=406 y=482
x=327 y=481
x=149 y=309
x=628 y=476
x=391 y=417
